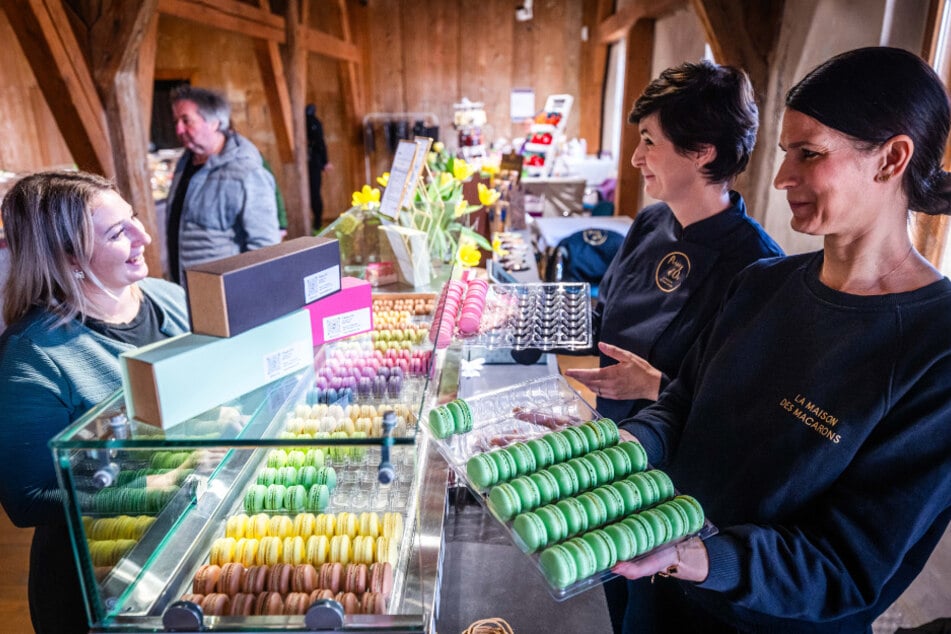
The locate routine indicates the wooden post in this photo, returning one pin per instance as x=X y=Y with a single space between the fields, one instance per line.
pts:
x=640 y=55
x=299 y=216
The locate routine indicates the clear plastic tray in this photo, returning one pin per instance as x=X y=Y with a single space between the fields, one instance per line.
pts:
x=519 y=413
x=545 y=316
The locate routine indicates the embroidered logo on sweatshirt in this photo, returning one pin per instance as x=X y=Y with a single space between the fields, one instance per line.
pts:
x=671 y=271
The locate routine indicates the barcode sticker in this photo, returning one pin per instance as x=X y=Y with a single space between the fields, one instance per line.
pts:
x=321 y=284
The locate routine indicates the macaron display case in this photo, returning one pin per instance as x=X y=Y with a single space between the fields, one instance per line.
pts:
x=572 y=495
x=310 y=503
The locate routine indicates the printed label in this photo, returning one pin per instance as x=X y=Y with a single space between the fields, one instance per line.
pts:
x=812 y=416
x=346 y=324
x=321 y=284
x=286 y=360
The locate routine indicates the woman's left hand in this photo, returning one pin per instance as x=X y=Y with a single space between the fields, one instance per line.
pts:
x=685 y=560
x=630 y=378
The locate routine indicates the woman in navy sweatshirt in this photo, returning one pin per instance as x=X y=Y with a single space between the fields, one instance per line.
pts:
x=811 y=418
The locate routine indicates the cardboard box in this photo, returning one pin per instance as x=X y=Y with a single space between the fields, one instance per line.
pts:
x=229 y=296
x=174 y=380
x=347 y=313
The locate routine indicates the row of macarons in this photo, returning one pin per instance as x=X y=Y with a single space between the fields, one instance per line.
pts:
x=368 y=523
x=282 y=498
x=554 y=448
x=306 y=475
x=135 y=500
x=403 y=307
x=315 y=550
x=577 y=476
x=598 y=550
x=461 y=301
x=119 y=527
x=107 y=552
x=353 y=411
x=233 y=578
x=273 y=604
x=602 y=505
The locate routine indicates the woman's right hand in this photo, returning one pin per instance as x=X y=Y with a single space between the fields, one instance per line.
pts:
x=629 y=379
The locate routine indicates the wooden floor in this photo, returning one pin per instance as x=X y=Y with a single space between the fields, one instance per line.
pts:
x=928 y=598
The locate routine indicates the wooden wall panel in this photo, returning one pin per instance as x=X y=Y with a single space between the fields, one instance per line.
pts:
x=30 y=138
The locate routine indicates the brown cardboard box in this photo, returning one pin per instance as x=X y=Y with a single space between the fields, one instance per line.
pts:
x=229 y=296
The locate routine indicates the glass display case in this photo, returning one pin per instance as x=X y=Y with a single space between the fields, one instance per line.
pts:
x=310 y=503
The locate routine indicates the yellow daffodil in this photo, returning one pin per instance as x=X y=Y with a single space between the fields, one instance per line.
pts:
x=497 y=247
x=488 y=196
x=461 y=170
x=384 y=179
x=444 y=179
x=366 y=197
x=490 y=169
x=469 y=254
x=462 y=208
x=438 y=147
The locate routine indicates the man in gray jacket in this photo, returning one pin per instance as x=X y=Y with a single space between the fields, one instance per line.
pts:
x=222 y=200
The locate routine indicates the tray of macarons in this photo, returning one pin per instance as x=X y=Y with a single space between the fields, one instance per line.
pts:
x=545 y=316
x=573 y=496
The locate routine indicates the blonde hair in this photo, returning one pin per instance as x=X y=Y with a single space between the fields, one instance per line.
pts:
x=48 y=223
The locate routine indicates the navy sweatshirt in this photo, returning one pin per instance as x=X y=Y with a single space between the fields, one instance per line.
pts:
x=815 y=428
x=665 y=284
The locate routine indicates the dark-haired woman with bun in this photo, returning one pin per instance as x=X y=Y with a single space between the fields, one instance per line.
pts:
x=811 y=420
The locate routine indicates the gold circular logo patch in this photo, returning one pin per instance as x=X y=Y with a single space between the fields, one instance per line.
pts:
x=671 y=271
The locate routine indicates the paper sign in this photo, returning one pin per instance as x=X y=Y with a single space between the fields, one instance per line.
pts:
x=400 y=175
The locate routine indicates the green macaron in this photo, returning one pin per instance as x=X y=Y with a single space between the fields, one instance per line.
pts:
x=530 y=531
x=566 y=478
x=482 y=471
x=594 y=508
x=441 y=423
x=254 y=498
x=576 y=439
x=544 y=456
x=556 y=527
x=585 y=559
x=267 y=476
x=327 y=475
x=528 y=494
x=623 y=538
x=295 y=497
x=560 y=447
x=602 y=467
x=677 y=518
x=659 y=525
x=523 y=457
x=695 y=515
x=665 y=485
x=548 y=490
x=504 y=502
x=635 y=451
x=504 y=463
x=642 y=532
x=630 y=494
x=318 y=497
x=461 y=416
x=619 y=460
x=287 y=476
x=576 y=519
x=611 y=435
x=558 y=566
x=307 y=476
x=605 y=553
x=613 y=501
x=592 y=434
x=587 y=476
x=647 y=487
x=274 y=501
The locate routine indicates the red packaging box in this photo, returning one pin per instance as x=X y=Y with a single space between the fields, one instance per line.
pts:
x=346 y=313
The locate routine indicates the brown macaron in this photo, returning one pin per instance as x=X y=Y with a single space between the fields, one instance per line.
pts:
x=296 y=603
x=232 y=575
x=316 y=595
x=216 y=604
x=206 y=579
x=373 y=603
x=331 y=576
x=255 y=579
x=269 y=603
x=242 y=604
x=194 y=598
x=304 y=578
x=381 y=578
x=279 y=579
x=349 y=601
x=356 y=578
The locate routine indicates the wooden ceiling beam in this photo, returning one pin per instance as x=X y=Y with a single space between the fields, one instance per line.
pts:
x=742 y=34
x=618 y=26
x=46 y=36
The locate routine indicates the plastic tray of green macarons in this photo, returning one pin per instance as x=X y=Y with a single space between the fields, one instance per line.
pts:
x=578 y=500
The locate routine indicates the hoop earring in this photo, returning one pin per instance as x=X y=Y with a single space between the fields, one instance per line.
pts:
x=79 y=275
